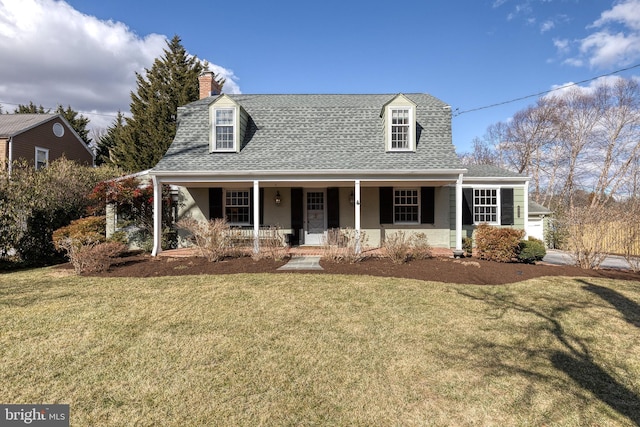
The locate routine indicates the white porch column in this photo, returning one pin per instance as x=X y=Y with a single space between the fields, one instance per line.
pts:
x=157 y=216
x=357 y=215
x=459 y=213
x=526 y=210
x=256 y=217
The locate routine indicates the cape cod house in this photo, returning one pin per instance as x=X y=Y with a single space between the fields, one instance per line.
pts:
x=309 y=163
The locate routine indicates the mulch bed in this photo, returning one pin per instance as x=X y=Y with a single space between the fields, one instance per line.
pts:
x=440 y=269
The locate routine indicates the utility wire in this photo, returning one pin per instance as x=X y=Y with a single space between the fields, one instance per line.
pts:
x=457 y=112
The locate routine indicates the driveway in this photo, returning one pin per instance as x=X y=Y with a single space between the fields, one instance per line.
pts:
x=555 y=256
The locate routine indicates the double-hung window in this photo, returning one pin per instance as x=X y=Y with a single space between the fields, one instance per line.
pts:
x=485 y=205
x=224 y=129
x=42 y=157
x=406 y=207
x=238 y=207
x=400 y=128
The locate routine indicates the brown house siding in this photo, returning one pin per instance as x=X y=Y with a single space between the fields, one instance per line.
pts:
x=24 y=144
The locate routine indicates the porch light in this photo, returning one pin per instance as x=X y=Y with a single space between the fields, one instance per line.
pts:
x=352 y=198
x=278 y=199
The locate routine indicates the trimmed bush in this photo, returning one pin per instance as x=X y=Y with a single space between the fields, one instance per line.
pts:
x=212 y=238
x=467 y=245
x=531 y=250
x=400 y=248
x=498 y=244
x=86 y=246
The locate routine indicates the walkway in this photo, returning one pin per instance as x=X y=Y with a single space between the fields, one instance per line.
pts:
x=299 y=262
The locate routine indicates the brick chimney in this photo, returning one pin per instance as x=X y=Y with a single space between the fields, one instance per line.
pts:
x=208 y=84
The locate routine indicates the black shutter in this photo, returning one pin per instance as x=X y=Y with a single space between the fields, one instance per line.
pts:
x=215 y=203
x=506 y=206
x=467 y=206
x=386 y=205
x=261 y=206
x=427 y=205
x=333 y=207
x=297 y=212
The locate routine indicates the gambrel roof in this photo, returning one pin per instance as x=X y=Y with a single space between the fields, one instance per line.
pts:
x=313 y=133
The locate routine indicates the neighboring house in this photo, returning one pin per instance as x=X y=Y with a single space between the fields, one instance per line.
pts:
x=40 y=139
x=538 y=220
x=309 y=163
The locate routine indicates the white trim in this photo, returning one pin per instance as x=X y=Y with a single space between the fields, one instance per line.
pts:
x=224 y=205
x=498 y=204
x=214 y=133
x=256 y=217
x=418 y=194
x=412 y=128
x=35 y=156
x=357 y=213
x=157 y=216
x=458 y=242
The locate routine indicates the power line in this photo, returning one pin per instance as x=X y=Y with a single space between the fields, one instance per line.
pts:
x=457 y=113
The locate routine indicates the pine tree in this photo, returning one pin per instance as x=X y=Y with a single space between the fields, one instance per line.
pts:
x=171 y=82
x=106 y=143
x=79 y=124
x=31 y=109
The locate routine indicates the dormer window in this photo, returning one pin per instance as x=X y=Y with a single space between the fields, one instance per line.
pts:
x=224 y=129
x=400 y=128
x=399 y=118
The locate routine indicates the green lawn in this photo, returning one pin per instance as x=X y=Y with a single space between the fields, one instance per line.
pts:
x=321 y=350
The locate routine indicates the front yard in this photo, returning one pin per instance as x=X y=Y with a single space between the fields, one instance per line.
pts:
x=298 y=349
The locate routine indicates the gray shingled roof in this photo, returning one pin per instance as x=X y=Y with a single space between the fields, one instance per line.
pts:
x=538 y=209
x=14 y=124
x=490 y=171
x=313 y=132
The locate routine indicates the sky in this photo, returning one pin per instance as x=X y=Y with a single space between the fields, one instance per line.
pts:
x=471 y=54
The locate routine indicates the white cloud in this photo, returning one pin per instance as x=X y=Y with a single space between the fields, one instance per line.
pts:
x=626 y=12
x=52 y=54
x=547 y=26
x=616 y=39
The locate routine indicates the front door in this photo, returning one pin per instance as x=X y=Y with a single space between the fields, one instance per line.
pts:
x=315 y=218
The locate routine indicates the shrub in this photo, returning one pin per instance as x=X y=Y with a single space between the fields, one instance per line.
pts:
x=85 y=245
x=271 y=244
x=340 y=245
x=498 y=244
x=212 y=238
x=467 y=245
x=400 y=248
x=420 y=247
x=531 y=250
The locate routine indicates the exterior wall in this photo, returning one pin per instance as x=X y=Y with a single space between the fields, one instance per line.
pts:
x=468 y=230
x=24 y=144
x=194 y=202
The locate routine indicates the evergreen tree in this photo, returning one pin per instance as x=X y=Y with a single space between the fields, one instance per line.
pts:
x=31 y=109
x=79 y=124
x=171 y=82
x=107 y=142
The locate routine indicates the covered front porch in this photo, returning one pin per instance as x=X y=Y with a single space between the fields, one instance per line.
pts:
x=306 y=210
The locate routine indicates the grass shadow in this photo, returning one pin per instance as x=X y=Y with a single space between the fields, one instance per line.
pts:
x=593 y=378
x=628 y=308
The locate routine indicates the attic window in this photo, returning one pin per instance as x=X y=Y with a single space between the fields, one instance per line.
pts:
x=224 y=129
x=401 y=129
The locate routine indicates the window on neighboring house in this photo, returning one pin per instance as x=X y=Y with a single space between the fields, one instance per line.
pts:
x=42 y=157
x=400 y=128
x=406 y=206
x=238 y=206
x=485 y=205
x=224 y=128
